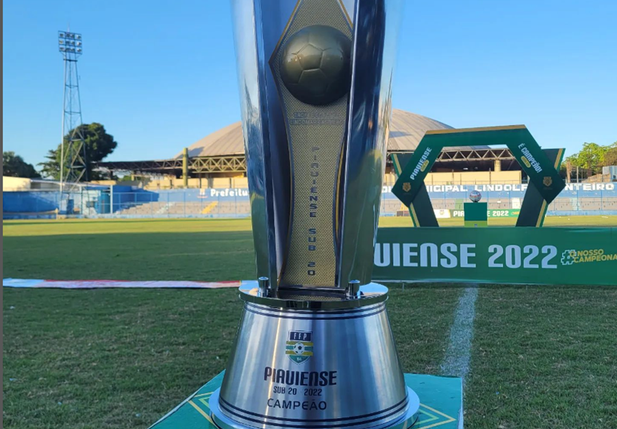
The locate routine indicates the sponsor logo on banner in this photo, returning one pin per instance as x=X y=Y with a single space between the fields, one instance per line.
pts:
x=442 y=213
x=421 y=166
x=490 y=213
x=223 y=192
x=508 y=188
x=406 y=186
x=547 y=181
x=571 y=256
x=299 y=347
x=528 y=159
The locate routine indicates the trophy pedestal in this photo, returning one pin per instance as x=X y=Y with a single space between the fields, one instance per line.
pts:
x=441 y=407
x=405 y=422
x=312 y=361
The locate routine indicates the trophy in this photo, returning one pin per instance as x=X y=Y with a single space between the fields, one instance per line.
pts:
x=315 y=348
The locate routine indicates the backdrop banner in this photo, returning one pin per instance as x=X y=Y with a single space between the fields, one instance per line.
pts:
x=491 y=213
x=555 y=256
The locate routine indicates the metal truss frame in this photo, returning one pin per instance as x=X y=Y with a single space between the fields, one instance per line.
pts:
x=237 y=163
x=470 y=154
x=212 y=164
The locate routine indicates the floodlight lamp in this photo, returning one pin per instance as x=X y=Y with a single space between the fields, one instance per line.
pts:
x=61 y=42
x=78 y=36
x=79 y=51
x=78 y=43
x=61 y=35
x=62 y=49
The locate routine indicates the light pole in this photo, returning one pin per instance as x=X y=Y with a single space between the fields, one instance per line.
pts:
x=73 y=150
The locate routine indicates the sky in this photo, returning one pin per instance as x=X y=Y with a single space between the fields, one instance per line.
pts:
x=161 y=74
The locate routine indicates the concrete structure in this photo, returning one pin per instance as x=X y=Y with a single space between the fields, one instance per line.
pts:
x=217 y=160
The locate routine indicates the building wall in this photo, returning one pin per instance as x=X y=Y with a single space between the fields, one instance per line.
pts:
x=15 y=184
x=466 y=178
x=450 y=178
x=474 y=178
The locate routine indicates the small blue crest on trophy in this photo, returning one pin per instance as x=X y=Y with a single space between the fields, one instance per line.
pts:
x=299 y=347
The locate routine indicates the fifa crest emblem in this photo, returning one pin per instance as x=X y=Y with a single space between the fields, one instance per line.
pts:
x=299 y=347
x=547 y=181
x=406 y=186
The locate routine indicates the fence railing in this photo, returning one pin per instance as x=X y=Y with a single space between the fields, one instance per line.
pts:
x=234 y=203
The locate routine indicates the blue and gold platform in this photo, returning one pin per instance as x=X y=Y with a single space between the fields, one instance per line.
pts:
x=441 y=404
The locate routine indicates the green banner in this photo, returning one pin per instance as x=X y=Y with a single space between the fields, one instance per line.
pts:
x=540 y=165
x=552 y=256
x=420 y=208
x=490 y=213
x=534 y=206
x=412 y=177
x=541 y=171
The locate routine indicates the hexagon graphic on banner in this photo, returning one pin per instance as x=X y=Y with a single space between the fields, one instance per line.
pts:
x=540 y=166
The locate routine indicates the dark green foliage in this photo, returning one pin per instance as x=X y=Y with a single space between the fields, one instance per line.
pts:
x=14 y=166
x=591 y=158
x=98 y=144
x=610 y=157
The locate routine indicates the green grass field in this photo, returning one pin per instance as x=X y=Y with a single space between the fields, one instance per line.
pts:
x=542 y=357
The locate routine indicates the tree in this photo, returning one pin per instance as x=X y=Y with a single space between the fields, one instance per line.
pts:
x=610 y=157
x=99 y=144
x=590 y=158
x=15 y=166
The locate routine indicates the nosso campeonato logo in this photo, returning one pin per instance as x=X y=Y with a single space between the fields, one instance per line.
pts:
x=571 y=256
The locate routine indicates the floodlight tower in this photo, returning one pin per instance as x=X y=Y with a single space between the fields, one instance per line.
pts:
x=73 y=148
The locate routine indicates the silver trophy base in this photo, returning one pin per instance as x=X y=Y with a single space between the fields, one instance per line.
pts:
x=304 y=361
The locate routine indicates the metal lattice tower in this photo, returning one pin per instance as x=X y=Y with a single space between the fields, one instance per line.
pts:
x=73 y=148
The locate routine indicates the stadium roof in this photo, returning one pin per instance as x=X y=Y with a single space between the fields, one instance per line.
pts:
x=223 y=150
x=406 y=131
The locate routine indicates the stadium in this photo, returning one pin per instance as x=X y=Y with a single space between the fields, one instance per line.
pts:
x=214 y=184
x=132 y=301
x=149 y=347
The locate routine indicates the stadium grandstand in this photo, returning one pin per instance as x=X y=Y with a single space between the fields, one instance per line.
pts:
x=214 y=183
x=217 y=160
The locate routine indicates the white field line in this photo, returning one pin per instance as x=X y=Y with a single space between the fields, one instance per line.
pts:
x=458 y=355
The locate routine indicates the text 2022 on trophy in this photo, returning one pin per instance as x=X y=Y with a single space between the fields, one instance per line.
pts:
x=315 y=348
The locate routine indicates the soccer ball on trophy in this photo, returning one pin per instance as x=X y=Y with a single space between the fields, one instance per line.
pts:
x=298 y=348
x=475 y=196
x=315 y=65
